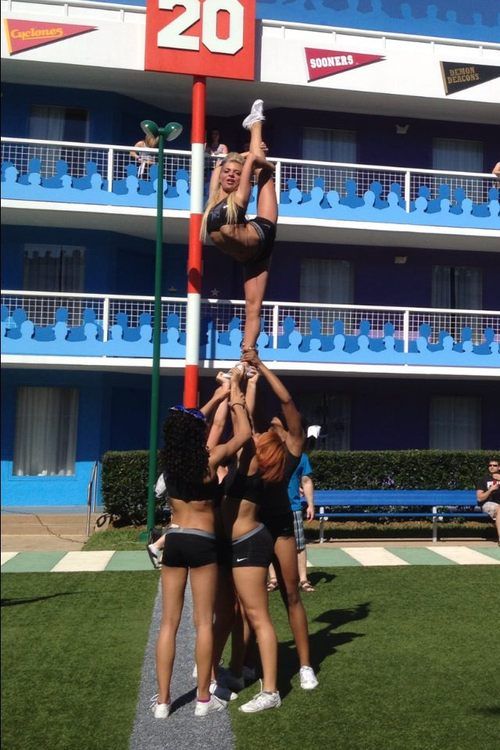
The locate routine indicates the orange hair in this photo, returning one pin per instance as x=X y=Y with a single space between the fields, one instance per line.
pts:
x=271 y=456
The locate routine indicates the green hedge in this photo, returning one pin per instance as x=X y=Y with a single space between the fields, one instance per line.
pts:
x=125 y=475
x=398 y=470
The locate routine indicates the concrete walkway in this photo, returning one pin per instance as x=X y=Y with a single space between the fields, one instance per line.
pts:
x=388 y=554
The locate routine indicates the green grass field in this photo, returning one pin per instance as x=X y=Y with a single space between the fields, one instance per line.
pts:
x=406 y=659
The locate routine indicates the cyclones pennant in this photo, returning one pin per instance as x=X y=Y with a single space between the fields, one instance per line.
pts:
x=23 y=35
x=327 y=62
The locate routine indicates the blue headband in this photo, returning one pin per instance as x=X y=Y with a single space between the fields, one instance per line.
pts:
x=193 y=412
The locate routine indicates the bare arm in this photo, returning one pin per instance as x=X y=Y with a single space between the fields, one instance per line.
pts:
x=214 y=179
x=134 y=154
x=218 y=424
x=220 y=393
x=295 y=435
x=251 y=396
x=252 y=162
x=241 y=425
x=308 y=488
x=483 y=495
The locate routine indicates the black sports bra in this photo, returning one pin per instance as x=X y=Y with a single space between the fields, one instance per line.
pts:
x=217 y=217
x=245 y=487
x=191 y=491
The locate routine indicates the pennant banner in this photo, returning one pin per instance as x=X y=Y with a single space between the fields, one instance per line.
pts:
x=327 y=62
x=459 y=76
x=23 y=35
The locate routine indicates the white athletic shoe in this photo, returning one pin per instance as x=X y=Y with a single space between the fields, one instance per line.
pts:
x=256 y=114
x=155 y=555
x=228 y=680
x=206 y=707
x=160 y=710
x=308 y=680
x=261 y=702
x=221 y=691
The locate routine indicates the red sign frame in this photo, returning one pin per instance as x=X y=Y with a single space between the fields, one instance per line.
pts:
x=212 y=38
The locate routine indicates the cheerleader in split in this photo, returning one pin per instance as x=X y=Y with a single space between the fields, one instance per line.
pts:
x=250 y=242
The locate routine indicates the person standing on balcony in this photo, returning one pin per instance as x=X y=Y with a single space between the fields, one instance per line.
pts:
x=488 y=493
x=213 y=146
x=250 y=242
x=143 y=159
x=496 y=170
x=190 y=544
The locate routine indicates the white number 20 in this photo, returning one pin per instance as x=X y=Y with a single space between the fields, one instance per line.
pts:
x=173 y=35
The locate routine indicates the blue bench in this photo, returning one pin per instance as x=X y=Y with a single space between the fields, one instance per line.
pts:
x=438 y=504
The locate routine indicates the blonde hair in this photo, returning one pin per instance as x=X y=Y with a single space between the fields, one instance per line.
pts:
x=217 y=195
x=271 y=456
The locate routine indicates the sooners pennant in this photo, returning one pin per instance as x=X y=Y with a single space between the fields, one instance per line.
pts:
x=327 y=62
x=23 y=35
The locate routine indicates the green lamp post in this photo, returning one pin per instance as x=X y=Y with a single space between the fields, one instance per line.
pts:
x=167 y=133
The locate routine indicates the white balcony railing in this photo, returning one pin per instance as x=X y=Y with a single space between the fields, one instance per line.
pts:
x=52 y=159
x=41 y=308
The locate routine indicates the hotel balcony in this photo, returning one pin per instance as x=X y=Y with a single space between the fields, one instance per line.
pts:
x=96 y=186
x=114 y=332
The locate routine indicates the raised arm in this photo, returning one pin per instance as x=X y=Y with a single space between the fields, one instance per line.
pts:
x=241 y=424
x=295 y=435
x=218 y=423
x=251 y=395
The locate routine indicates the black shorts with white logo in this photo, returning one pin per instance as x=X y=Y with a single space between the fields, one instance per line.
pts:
x=188 y=548
x=253 y=550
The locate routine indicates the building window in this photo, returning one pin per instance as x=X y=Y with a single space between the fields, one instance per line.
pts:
x=457 y=287
x=50 y=123
x=457 y=155
x=333 y=413
x=455 y=423
x=46 y=427
x=53 y=268
x=325 y=280
x=321 y=144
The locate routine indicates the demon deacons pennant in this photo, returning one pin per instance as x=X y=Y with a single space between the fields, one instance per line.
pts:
x=460 y=76
x=328 y=62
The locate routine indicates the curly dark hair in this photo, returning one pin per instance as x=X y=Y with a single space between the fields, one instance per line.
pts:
x=185 y=454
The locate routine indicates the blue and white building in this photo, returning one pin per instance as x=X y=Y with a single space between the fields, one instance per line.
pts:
x=383 y=306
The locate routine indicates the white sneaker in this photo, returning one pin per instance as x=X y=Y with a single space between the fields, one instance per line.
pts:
x=308 y=680
x=155 y=555
x=261 y=702
x=160 y=710
x=227 y=679
x=206 y=707
x=221 y=691
x=256 y=114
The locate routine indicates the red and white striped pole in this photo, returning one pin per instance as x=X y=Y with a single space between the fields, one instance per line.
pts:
x=191 y=377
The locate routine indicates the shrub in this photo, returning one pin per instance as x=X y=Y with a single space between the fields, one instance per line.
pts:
x=125 y=475
x=125 y=485
x=398 y=470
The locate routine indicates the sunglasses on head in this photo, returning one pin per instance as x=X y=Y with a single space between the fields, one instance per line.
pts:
x=196 y=413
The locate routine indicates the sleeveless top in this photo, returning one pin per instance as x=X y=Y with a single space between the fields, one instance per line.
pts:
x=275 y=501
x=245 y=487
x=191 y=491
x=217 y=217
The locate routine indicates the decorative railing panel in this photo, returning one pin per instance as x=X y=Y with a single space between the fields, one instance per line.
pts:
x=122 y=326
x=109 y=175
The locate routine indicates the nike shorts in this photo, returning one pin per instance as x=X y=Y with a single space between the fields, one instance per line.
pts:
x=253 y=550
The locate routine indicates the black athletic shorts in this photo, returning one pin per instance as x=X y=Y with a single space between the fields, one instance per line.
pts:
x=280 y=525
x=253 y=550
x=267 y=234
x=189 y=548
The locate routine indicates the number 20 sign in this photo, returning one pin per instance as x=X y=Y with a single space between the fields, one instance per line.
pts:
x=213 y=38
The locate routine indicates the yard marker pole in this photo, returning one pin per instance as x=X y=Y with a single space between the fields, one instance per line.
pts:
x=191 y=377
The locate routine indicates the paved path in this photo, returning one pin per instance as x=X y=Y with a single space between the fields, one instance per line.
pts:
x=388 y=555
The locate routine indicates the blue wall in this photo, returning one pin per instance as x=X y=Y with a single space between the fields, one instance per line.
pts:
x=113 y=415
